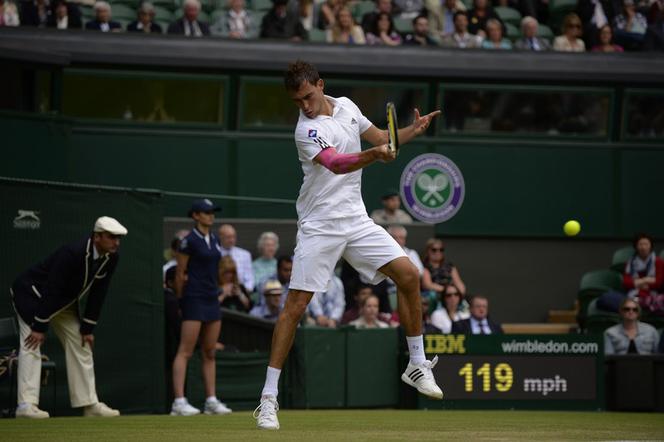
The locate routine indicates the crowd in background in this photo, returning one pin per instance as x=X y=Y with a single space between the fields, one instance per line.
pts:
x=592 y=25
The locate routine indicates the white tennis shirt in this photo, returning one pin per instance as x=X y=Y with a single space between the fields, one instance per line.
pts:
x=323 y=194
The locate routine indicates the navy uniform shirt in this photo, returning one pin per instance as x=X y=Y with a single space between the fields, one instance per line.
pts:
x=203 y=266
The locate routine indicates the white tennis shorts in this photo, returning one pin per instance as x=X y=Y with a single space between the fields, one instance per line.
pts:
x=365 y=245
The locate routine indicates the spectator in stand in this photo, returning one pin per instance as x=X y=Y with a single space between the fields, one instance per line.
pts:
x=35 y=13
x=631 y=336
x=102 y=21
x=529 y=40
x=630 y=27
x=344 y=30
x=606 y=41
x=236 y=22
x=399 y=233
x=383 y=32
x=495 y=40
x=570 y=41
x=8 y=14
x=197 y=287
x=420 y=35
x=450 y=310
x=391 y=213
x=654 y=39
x=232 y=293
x=479 y=322
x=189 y=25
x=479 y=15
x=439 y=272
x=65 y=16
x=265 y=265
x=270 y=309
x=283 y=275
x=369 y=19
x=409 y=9
x=593 y=14
x=369 y=314
x=145 y=22
x=327 y=308
x=281 y=23
x=242 y=257
x=441 y=15
x=644 y=275
x=427 y=326
x=461 y=38
x=306 y=11
x=353 y=311
x=171 y=253
x=329 y=10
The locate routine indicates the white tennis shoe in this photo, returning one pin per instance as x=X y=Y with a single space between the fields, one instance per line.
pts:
x=31 y=411
x=266 y=414
x=216 y=407
x=184 y=409
x=421 y=377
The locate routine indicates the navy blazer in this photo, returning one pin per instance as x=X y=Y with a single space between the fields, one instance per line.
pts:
x=94 y=25
x=62 y=279
x=463 y=327
x=177 y=27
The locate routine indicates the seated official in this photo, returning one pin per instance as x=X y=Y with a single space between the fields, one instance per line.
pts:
x=631 y=336
x=479 y=322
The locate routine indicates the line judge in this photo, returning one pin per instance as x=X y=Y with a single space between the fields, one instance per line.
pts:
x=48 y=294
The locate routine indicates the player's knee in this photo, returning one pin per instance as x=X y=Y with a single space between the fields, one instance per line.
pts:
x=409 y=278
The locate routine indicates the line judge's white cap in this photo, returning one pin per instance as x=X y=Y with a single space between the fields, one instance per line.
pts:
x=110 y=225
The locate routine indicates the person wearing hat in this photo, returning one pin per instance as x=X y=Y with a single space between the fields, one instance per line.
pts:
x=197 y=288
x=48 y=294
x=270 y=309
x=391 y=213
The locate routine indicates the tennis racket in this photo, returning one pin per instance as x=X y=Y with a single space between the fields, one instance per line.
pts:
x=392 y=129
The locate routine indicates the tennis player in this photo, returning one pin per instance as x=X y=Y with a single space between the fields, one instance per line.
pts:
x=333 y=222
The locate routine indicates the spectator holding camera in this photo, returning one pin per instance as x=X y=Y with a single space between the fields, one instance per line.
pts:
x=631 y=336
x=232 y=294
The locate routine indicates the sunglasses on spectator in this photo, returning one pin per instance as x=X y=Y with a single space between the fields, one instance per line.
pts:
x=437 y=249
x=630 y=309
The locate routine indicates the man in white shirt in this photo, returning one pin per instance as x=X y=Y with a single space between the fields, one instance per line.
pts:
x=333 y=223
x=242 y=257
x=326 y=308
x=399 y=233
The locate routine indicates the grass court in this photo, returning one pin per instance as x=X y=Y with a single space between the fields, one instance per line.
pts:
x=349 y=425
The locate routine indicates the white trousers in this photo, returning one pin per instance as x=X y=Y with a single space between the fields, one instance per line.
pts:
x=80 y=366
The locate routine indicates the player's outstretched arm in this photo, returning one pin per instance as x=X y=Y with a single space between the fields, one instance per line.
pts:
x=420 y=125
x=340 y=163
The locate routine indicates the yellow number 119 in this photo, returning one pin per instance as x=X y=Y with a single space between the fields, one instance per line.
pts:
x=502 y=374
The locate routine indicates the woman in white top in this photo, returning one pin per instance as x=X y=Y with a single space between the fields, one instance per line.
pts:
x=570 y=41
x=443 y=317
x=345 y=30
x=369 y=314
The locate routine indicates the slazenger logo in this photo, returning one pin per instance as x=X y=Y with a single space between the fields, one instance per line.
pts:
x=432 y=188
x=27 y=219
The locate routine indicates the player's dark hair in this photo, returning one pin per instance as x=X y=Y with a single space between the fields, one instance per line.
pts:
x=642 y=235
x=298 y=73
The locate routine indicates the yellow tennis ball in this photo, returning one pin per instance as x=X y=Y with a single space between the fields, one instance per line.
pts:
x=572 y=228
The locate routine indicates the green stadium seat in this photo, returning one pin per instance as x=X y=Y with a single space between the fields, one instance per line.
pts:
x=163 y=14
x=216 y=15
x=598 y=320
x=258 y=17
x=317 y=36
x=124 y=22
x=361 y=8
x=87 y=13
x=508 y=15
x=403 y=25
x=620 y=258
x=543 y=31
x=261 y=5
x=512 y=31
x=166 y=4
x=164 y=25
x=468 y=4
x=121 y=12
x=592 y=285
x=131 y=3
x=558 y=9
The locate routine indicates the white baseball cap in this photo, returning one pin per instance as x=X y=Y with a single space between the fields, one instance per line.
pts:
x=110 y=225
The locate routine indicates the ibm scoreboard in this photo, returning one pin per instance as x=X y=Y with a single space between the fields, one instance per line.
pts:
x=517 y=371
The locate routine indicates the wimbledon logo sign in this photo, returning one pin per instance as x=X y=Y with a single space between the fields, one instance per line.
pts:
x=432 y=188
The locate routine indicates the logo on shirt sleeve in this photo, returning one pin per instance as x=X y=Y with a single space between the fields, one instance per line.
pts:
x=353 y=121
x=313 y=133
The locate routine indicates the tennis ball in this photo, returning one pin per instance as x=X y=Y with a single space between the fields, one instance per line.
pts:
x=572 y=228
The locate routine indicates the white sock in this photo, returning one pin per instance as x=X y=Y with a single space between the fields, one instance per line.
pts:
x=211 y=399
x=416 y=349
x=180 y=400
x=271 y=387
